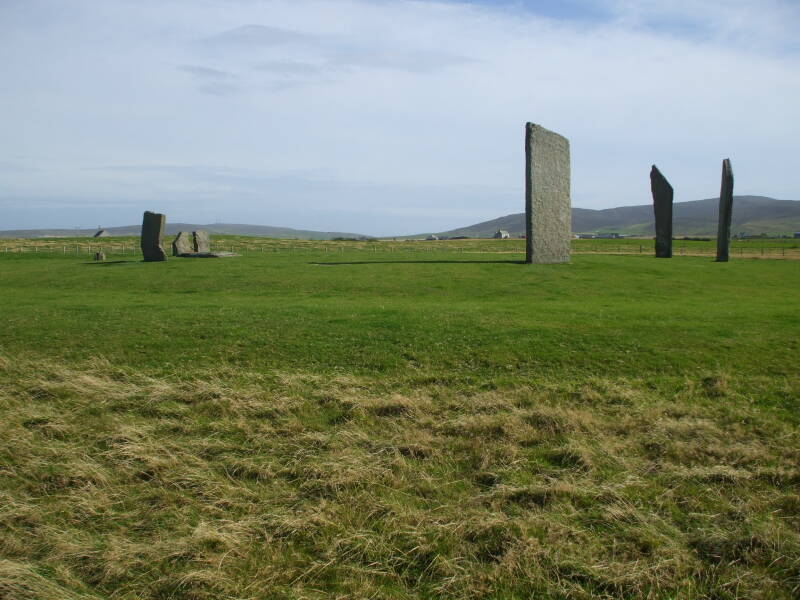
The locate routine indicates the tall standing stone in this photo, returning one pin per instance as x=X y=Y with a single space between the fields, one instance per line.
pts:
x=202 y=242
x=725 y=212
x=152 y=236
x=662 y=207
x=182 y=244
x=548 y=215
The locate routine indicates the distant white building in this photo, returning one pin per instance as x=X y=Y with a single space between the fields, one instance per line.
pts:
x=501 y=234
x=432 y=237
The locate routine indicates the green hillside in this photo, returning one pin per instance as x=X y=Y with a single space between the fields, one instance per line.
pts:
x=752 y=215
x=174 y=228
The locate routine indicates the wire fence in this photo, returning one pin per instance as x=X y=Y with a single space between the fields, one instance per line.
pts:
x=255 y=247
x=789 y=252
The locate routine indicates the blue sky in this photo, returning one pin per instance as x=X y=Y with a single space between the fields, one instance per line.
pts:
x=382 y=116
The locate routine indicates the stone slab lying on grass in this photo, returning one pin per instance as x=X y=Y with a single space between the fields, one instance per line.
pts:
x=209 y=255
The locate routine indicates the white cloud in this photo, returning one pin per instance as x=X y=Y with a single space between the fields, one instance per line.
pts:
x=416 y=102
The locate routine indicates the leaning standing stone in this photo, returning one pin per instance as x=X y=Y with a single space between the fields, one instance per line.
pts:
x=152 y=236
x=182 y=244
x=202 y=242
x=548 y=215
x=725 y=212
x=662 y=207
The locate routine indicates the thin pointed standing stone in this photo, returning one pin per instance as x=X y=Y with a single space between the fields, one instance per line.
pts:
x=725 y=212
x=152 y=236
x=548 y=216
x=662 y=207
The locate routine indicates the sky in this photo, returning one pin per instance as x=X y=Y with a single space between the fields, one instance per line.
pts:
x=383 y=117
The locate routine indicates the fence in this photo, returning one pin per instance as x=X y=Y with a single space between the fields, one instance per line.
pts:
x=679 y=249
x=73 y=249
x=266 y=246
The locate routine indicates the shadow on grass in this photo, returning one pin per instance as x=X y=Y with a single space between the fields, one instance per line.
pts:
x=112 y=262
x=420 y=262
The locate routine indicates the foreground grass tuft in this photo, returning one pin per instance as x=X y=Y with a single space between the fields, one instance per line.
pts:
x=237 y=484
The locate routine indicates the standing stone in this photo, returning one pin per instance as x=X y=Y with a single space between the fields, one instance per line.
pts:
x=100 y=256
x=182 y=244
x=202 y=241
x=662 y=207
x=548 y=215
x=725 y=212
x=152 y=236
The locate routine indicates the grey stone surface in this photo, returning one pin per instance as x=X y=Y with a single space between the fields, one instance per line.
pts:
x=548 y=214
x=182 y=244
x=209 y=255
x=662 y=207
x=202 y=241
x=725 y=212
x=152 y=236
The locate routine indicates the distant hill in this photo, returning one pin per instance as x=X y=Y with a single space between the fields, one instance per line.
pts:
x=174 y=228
x=752 y=215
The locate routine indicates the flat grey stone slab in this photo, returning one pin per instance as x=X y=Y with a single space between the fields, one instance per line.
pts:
x=548 y=215
x=208 y=255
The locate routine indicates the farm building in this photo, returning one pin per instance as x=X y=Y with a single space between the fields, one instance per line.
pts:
x=501 y=234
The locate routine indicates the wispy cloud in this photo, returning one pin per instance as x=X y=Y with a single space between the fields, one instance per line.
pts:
x=212 y=81
x=14 y=167
x=326 y=57
x=264 y=36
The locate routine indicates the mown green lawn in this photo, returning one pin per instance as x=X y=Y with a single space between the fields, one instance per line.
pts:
x=461 y=315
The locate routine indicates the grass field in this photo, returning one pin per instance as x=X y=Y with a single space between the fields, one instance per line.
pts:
x=340 y=420
x=129 y=246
